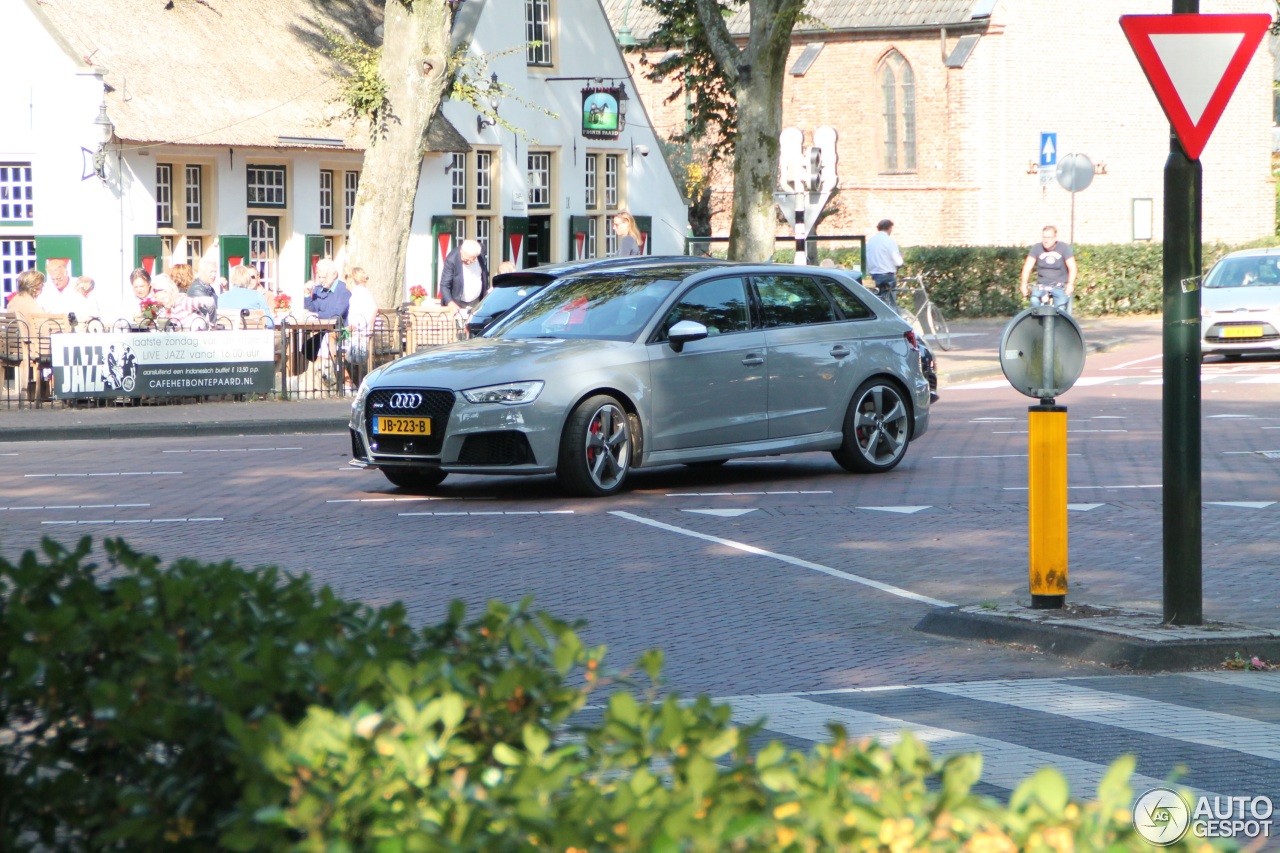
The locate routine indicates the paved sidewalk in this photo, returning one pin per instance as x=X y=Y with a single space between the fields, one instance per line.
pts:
x=973 y=356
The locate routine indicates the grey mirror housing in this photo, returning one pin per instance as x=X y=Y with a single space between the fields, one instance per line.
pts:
x=683 y=332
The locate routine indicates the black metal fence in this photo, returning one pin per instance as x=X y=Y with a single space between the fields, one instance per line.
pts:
x=313 y=359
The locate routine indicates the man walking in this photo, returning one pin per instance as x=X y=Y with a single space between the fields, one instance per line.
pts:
x=464 y=281
x=883 y=260
x=1055 y=267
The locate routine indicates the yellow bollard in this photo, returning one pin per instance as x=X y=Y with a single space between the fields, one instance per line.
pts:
x=1047 y=505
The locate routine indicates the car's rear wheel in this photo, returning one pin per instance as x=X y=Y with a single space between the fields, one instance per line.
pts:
x=595 y=449
x=414 y=479
x=877 y=428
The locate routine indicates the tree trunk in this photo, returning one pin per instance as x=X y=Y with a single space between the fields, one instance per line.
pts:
x=753 y=229
x=413 y=64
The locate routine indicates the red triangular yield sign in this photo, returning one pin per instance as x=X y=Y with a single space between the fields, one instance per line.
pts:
x=1193 y=63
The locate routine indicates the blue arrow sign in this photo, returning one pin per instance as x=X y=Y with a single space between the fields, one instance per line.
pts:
x=1048 y=149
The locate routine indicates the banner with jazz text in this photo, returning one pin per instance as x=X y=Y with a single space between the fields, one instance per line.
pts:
x=162 y=364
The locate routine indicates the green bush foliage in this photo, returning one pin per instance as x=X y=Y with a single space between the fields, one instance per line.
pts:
x=983 y=281
x=200 y=707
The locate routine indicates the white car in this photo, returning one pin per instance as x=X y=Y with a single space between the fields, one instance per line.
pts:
x=1240 y=304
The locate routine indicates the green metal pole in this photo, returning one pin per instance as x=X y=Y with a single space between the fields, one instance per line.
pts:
x=1183 y=598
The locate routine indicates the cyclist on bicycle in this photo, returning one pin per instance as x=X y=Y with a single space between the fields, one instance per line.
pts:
x=1055 y=267
x=883 y=259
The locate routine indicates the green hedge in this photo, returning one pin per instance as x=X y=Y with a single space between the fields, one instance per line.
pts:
x=982 y=281
x=202 y=707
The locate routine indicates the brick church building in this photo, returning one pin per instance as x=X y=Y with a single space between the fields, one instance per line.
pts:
x=940 y=106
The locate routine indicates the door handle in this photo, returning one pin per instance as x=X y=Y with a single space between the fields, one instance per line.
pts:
x=840 y=351
x=753 y=360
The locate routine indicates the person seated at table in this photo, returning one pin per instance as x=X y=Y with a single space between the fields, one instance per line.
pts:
x=184 y=277
x=362 y=316
x=245 y=291
x=85 y=300
x=24 y=302
x=180 y=309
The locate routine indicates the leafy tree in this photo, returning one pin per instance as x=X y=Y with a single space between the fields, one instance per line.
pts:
x=736 y=92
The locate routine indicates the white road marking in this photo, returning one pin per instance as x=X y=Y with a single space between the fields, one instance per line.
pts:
x=794 y=561
x=1242 y=417
x=234 y=450
x=1083 y=507
x=1136 y=361
x=1004 y=764
x=115 y=474
x=1242 y=504
x=133 y=521
x=401 y=500
x=740 y=494
x=902 y=510
x=722 y=513
x=526 y=512
x=1024 y=488
x=980 y=420
x=1206 y=728
x=997 y=456
x=1025 y=432
x=85 y=506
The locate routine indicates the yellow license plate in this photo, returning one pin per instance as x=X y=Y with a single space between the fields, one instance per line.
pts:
x=401 y=426
x=1242 y=331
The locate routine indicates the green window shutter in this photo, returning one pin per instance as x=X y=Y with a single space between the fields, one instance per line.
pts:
x=515 y=230
x=65 y=246
x=148 y=252
x=442 y=231
x=315 y=251
x=234 y=251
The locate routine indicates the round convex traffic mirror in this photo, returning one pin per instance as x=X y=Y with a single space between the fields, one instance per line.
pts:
x=1042 y=352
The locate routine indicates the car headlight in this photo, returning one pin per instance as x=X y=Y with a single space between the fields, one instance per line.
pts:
x=508 y=394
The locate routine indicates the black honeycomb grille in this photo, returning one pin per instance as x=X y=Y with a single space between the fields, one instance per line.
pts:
x=505 y=447
x=436 y=404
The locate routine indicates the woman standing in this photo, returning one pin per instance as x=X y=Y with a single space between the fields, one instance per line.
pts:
x=624 y=225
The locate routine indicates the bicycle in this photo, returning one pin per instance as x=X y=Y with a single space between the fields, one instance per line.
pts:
x=926 y=313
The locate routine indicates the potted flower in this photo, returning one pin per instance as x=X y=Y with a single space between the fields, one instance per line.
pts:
x=281 y=302
x=417 y=294
x=150 y=309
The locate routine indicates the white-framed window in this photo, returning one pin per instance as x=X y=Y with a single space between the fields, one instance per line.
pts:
x=611 y=170
x=350 y=186
x=166 y=246
x=17 y=255
x=537 y=32
x=195 y=196
x=591 y=237
x=326 y=199
x=328 y=247
x=459 y=230
x=898 y=112
x=483 y=224
x=266 y=186
x=264 y=248
x=17 y=193
x=195 y=252
x=458 y=180
x=164 y=195
x=589 y=184
x=539 y=179
x=484 y=179
x=610 y=238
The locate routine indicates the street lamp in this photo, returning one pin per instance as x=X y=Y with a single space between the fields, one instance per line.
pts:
x=106 y=131
x=625 y=38
x=494 y=91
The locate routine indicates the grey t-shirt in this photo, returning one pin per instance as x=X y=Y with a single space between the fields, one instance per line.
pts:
x=1051 y=264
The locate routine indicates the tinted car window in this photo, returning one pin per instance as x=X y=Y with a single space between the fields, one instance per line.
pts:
x=608 y=305
x=850 y=306
x=1255 y=271
x=720 y=305
x=793 y=300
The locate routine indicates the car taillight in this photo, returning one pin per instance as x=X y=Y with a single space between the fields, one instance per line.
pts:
x=910 y=337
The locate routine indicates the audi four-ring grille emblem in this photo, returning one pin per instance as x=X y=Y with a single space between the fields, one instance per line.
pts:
x=405 y=401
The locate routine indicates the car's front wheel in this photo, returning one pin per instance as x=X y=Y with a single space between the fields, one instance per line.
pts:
x=877 y=428
x=414 y=479
x=595 y=449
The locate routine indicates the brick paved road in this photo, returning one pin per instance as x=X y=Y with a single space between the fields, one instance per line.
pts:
x=661 y=565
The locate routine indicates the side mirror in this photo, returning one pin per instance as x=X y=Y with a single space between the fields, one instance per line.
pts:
x=684 y=332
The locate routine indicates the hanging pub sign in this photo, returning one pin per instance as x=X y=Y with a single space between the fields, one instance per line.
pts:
x=603 y=112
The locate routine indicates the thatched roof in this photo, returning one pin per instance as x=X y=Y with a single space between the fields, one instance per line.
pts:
x=221 y=72
x=830 y=14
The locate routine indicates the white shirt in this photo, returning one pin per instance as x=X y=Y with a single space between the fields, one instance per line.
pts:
x=363 y=311
x=472 y=281
x=882 y=254
x=54 y=301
